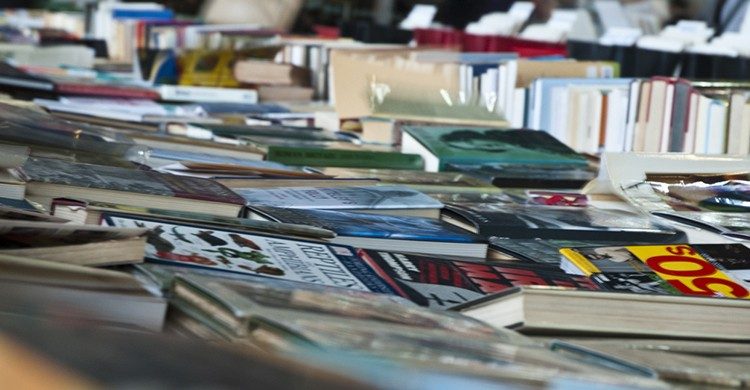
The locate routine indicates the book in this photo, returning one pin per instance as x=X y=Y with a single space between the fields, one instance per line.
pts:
x=558 y=222
x=440 y=146
x=529 y=176
x=182 y=93
x=76 y=292
x=56 y=178
x=284 y=93
x=419 y=180
x=319 y=157
x=733 y=225
x=91 y=213
x=383 y=232
x=448 y=283
x=545 y=310
x=385 y=199
x=252 y=71
x=240 y=299
x=696 y=269
x=239 y=251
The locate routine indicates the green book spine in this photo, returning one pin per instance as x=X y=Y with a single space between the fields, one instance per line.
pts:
x=343 y=158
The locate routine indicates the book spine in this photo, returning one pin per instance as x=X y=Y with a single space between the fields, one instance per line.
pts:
x=343 y=158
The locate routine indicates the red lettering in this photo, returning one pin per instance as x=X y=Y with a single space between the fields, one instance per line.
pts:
x=681 y=250
x=657 y=264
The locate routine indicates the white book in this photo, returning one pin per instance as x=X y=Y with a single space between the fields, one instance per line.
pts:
x=738 y=144
x=614 y=140
x=633 y=102
x=717 y=127
x=510 y=88
x=666 y=126
x=207 y=94
x=692 y=124
x=519 y=108
x=701 y=126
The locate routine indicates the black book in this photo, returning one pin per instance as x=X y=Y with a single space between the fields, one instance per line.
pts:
x=563 y=223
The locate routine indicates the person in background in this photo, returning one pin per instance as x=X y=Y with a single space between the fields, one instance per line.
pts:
x=725 y=15
x=273 y=14
x=459 y=13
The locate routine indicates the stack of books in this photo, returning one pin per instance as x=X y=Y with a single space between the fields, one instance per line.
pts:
x=454 y=220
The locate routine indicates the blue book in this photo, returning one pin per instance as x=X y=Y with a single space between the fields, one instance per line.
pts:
x=382 y=232
x=150 y=14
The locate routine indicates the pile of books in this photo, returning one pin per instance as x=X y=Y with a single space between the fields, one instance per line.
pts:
x=408 y=236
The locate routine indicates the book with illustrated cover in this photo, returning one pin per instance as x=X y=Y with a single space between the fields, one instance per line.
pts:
x=384 y=232
x=441 y=146
x=556 y=222
x=235 y=250
x=444 y=283
x=386 y=199
x=56 y=178
x=713 y=270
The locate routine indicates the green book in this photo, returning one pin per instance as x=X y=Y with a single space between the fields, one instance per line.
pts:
x=445 y=147
x=320 y=157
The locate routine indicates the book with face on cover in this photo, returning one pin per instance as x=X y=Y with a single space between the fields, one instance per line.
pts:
x=386 y=199
x=440 y=146
x=49 y=178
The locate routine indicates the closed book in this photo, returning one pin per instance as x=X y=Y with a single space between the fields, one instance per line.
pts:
x=387 y=199
x=546 y=310
x=713 y=270
x=558 y=222
x=321 y=157
x=236 y=250
x=48 y=178
x=440 y=146
x=383 y=232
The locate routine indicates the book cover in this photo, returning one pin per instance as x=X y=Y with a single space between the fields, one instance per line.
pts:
x=127 y=180
x=713 y=270
x=475 y=146
x=443 y=283
x=528 y=175
x=556 y=222
x=255 y=254
x=343 y=158
x=371 y=225
x=736 y=225
x=343 y=198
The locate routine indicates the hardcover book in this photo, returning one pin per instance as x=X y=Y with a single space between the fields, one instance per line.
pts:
x=321 y=157
x=255 y=254
x=443 y=283
x=529 y=175
x=383 y=232
x=58 y=178
x=398 y=200
x=556 y=222
x=713 y=270
x=440 y=146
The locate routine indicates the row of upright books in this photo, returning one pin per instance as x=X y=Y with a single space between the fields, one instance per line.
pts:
x=217 y=244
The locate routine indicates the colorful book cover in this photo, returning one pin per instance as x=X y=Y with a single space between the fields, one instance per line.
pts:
x=345 y=198
x=442 y=283
x=372 y=225
x=254 y=254
x=127 y=180
x=474 y=146
x=321 y=157
x=714 y=270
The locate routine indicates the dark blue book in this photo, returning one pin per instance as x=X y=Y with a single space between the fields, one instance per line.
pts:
x=382 y=232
